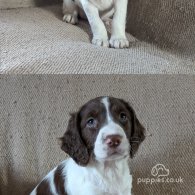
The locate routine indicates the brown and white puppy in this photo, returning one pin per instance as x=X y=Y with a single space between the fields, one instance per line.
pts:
x=100 y=138
x=96 y=12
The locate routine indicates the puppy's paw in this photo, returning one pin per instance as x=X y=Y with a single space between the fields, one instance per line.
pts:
x=70 y=18
x=119 y=43
x=100 y=42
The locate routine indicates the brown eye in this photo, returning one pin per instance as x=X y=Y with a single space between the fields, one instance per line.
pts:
x=123 y=117
x=91 y=122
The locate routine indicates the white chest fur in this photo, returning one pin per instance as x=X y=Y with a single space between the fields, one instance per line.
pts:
x=110 y=178
x=100 y=4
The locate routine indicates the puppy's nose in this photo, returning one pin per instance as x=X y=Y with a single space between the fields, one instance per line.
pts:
x=113 y=141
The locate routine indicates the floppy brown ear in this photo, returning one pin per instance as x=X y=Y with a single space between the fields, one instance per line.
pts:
x=73 y=144
x=137 y=135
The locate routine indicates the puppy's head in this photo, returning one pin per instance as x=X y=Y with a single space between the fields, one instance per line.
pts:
x=105 y=128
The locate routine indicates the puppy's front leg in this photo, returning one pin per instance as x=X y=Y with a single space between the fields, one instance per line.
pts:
x=100 y=36
x=118 y=38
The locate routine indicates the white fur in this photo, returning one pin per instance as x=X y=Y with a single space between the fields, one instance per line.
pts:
x=106 y=104
x=92 y=9
x=106 y=175
x=106 y=178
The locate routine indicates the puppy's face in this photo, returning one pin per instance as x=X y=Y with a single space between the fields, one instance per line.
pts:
x=105 y=128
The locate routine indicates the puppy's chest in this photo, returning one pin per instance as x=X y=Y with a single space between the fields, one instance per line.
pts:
x=102 y=4
x=110 y=184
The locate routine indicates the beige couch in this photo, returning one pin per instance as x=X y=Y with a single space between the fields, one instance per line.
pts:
x=35 y=111
x=35 y=40
x=10 y=4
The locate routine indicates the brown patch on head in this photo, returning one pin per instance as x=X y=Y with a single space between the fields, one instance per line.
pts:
x=59 y=180
x=83 y=127
x=131 y=125
x=44 y=188
x=92 y=118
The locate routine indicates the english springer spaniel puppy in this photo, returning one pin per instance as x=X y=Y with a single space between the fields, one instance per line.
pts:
x=99 y=139
x=97 y=11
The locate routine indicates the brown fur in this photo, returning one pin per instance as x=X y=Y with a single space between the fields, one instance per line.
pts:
x=44 y=188
x=59 y=180
x=137 y=132
x=72 y=142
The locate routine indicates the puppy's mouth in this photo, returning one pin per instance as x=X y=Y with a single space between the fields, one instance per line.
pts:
x=114 y=155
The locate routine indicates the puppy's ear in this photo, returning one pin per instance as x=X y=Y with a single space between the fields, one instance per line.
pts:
x=137 y=134
x=73 y=144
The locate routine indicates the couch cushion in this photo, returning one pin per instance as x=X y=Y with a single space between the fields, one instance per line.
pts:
x=5 y=4
x=36 y=40
x=35 y=112
x=169 y=24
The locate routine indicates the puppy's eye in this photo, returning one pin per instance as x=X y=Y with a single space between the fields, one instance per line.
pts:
x=91 y=122
x=123 y=116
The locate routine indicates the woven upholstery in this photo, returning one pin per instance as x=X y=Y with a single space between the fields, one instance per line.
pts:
x=36 y=40
x=35 y=111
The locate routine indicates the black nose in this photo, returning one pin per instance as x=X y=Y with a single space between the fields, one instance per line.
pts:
x=113 y=141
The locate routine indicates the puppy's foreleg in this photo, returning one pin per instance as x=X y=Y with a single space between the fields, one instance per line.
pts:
x=70 y=11
x=98 y=28
x=118 y=38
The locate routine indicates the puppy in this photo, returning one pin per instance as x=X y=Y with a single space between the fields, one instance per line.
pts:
x=100 y=138
x=96 y=11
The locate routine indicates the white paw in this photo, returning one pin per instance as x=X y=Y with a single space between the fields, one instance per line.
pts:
x=119 y=43
x=70 y=18
x=100 y=42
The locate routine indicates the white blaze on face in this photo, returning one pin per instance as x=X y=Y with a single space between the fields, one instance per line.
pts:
x=110 y=127
x=105 y=101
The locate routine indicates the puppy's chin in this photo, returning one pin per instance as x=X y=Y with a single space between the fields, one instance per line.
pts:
x=112 y=157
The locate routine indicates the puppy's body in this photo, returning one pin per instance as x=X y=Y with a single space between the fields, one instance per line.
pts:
x=106 y=179
x=96 y=11
x=99 y=139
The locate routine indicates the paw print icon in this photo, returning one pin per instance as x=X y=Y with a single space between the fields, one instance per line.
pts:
x=159 y=170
